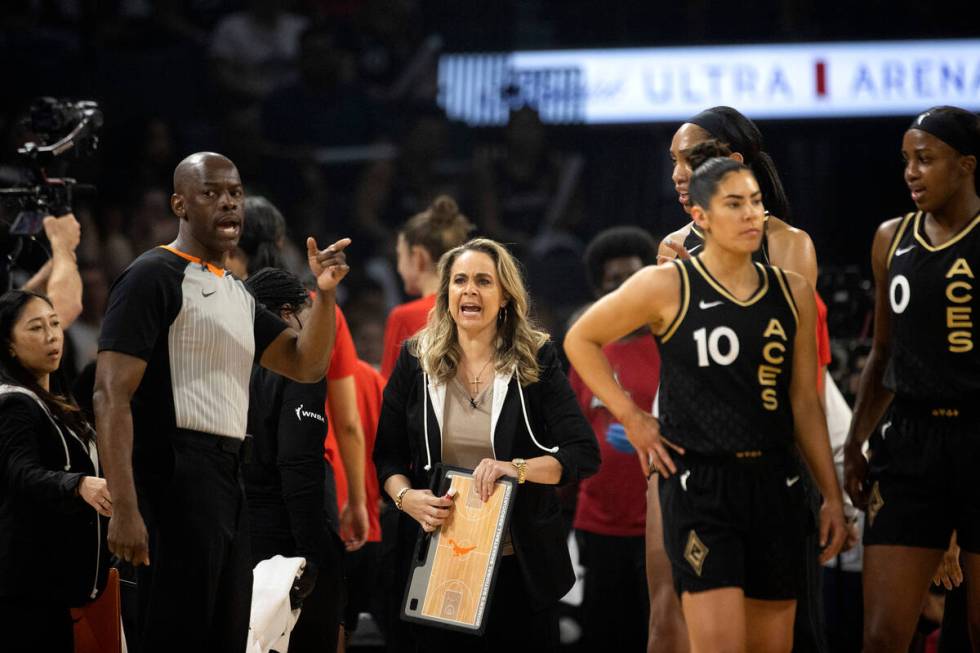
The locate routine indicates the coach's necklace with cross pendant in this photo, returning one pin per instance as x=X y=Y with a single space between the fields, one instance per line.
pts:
x=475 y=384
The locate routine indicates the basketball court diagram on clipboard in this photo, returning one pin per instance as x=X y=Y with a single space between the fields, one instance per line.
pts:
x=455 y=567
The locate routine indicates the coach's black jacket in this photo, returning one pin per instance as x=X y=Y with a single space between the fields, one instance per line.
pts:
x=52 y=543
x=556 y=421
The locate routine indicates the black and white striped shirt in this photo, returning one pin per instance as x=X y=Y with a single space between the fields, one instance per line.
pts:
x=199 y=330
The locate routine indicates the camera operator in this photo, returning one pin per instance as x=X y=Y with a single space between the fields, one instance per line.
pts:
x=38 y=191
x=59 y=278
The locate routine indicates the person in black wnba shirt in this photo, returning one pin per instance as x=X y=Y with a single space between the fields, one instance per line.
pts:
x=919 y=486
x=289 y=486
x=738 y=362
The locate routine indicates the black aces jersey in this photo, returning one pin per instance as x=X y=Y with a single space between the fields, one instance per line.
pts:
x=726 y=365
x=933 y=299
x=694 y=243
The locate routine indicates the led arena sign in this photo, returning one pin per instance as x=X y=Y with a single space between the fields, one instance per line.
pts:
x=807 y=80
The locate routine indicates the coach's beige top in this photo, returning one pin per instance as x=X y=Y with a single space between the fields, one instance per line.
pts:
x=466 y=433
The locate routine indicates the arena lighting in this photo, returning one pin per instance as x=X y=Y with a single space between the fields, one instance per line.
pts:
x=644 y=85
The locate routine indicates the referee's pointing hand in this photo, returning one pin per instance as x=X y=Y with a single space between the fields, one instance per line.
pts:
x=329 y=265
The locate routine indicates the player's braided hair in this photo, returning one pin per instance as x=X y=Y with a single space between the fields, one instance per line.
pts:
x=277 y=289
x=709 y=149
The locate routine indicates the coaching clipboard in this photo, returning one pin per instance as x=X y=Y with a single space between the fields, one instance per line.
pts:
x=454 y=569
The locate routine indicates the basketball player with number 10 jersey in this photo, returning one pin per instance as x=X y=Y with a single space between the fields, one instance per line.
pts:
x=738 y=359
x=724 y=398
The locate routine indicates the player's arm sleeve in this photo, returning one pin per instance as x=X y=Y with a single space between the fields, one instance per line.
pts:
x=302 y=428
x=143 y=302
x=267 y=326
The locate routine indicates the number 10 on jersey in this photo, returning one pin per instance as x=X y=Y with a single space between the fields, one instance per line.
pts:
x=711 y=344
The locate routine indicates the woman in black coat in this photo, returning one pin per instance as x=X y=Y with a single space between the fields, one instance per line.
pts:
x=480 y=388
x=52 y=540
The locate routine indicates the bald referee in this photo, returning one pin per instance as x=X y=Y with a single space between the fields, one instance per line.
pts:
x=171 y=401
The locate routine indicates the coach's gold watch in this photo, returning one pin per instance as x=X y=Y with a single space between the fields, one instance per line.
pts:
x=521 y=465
x=401 y=496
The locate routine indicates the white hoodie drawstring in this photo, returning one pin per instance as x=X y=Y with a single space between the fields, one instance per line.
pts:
x=527 y=422
x=425 y=420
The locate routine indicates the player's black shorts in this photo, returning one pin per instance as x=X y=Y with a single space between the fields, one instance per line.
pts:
x=924 y=480
x=736 y=521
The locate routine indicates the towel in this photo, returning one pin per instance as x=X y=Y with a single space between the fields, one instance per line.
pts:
x=272 y=620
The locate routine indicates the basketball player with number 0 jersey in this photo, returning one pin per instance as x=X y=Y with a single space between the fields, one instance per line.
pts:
x=922 y=384
x=738 y=360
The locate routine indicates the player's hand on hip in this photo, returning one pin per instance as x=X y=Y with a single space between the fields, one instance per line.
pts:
x=329 y=265
x=643 y=432
x=427 y=509
x=949 y=574
x=487 y=473
x=833 y=529
x=856 y=475
x=128 y=538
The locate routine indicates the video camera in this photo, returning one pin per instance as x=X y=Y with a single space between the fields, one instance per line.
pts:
x=59 y=127
x=30 y=191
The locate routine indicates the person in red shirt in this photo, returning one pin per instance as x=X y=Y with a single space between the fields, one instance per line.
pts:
x=610 y=518
x=361 y=566
x=421 y=242
x=346 y=439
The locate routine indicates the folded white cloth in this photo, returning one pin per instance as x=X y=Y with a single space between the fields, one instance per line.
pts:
x=838 y=424
x=272 y=619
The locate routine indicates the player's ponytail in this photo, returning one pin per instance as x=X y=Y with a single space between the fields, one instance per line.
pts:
x=773 y=193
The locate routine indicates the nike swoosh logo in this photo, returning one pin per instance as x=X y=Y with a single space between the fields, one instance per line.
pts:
x=884 y=429
x=703 y=304
x=684 y=479
x=208 y=294
x=904 y=250
x=790 y=482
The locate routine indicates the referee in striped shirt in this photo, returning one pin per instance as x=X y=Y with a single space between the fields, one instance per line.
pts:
x=171 y=399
